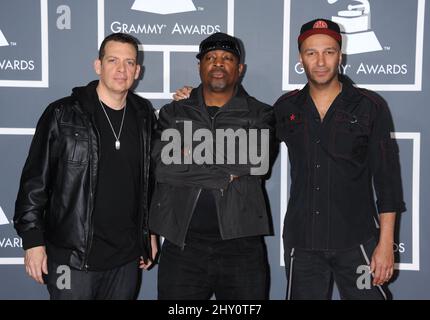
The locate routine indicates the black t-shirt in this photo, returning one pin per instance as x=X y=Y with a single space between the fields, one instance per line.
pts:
x=204 y=222
x=115 y=213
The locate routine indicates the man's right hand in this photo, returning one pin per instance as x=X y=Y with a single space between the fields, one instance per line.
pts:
x=183 y=93
x=36 y=262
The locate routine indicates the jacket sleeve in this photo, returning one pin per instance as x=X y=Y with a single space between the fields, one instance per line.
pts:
x=151 y=174
x=385 y=163
x=35 y=183
x=194 y=175
x=261 y=148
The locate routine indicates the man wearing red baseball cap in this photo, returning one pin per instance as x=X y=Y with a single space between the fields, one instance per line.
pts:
x=340 y=151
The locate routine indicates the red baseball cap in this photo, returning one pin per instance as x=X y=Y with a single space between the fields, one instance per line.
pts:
x=320 y=26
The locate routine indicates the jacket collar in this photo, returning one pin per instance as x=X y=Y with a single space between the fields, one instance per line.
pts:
x=89 y=100
x=239 y=101
x=350 y=94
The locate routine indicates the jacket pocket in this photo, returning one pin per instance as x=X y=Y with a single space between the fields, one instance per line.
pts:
x=161 y=212
x=74 y=144
x=228 y=122
x=350 y=137
x=249 y=193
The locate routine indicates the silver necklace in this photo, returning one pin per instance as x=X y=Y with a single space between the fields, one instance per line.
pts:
x=117 y=142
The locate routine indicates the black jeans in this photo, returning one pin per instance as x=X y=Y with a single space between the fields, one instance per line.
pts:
x=311 y=274
x=119 y=283
x=230 y=269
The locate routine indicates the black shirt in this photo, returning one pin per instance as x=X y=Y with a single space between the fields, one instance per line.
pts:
x=115 y=227
x=333 y=164
x=204 y=222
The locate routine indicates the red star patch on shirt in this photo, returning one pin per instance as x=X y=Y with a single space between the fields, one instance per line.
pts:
x=292 y=117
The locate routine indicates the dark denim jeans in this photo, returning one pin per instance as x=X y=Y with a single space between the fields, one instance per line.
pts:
x=119 y=283
x=311 y=274
x=230 y=269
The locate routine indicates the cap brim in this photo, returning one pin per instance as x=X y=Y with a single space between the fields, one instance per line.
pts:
x=327 y=32
x=201 y=54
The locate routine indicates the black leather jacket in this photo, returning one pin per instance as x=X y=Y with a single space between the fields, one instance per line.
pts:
x=241 y=205
x=56 y=196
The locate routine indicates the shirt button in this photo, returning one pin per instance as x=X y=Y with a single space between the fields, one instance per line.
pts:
x=317 y=166
x=316 y=212
x=317 y=188
x=317 y=141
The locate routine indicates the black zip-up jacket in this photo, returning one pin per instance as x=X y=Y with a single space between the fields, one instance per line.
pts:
x=240 y=204
x=336 y=165
x=55 y=201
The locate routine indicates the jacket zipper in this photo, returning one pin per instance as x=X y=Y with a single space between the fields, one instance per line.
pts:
x=143 y=172
x=191 y=216
x=214 y=134
x=198 y=194
x=91 y=204
x=221 y=189
x=218 y=215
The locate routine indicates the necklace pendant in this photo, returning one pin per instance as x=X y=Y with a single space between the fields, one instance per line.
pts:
x=117 y=144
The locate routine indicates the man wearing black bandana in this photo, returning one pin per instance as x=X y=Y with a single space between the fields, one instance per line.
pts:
x=212 y=215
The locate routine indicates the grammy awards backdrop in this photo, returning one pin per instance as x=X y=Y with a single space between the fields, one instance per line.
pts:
x=47 y=47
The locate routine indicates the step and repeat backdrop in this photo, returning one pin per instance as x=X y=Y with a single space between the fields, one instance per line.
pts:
x=47 y=47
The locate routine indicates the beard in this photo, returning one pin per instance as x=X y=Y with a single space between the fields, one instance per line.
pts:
x=217 y=84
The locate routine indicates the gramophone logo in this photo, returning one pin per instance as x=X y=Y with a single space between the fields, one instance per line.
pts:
x=164 y=6
x=355 y=25
x=3 y=218
x=381 y=54
x=3 y=41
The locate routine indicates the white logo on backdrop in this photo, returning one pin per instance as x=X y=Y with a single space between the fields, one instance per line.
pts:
x=12 y=242
x=17 y=63
x=3 y=41
x=355 y=27
x=3 y=218
x=359 y=39
x=166 y=49
x=164 y=6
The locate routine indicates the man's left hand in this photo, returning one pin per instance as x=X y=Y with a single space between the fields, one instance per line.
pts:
x=154 y=250
x=382 y=265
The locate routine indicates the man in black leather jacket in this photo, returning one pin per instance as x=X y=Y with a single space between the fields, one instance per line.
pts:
x=82 y=206
x=209 y=204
